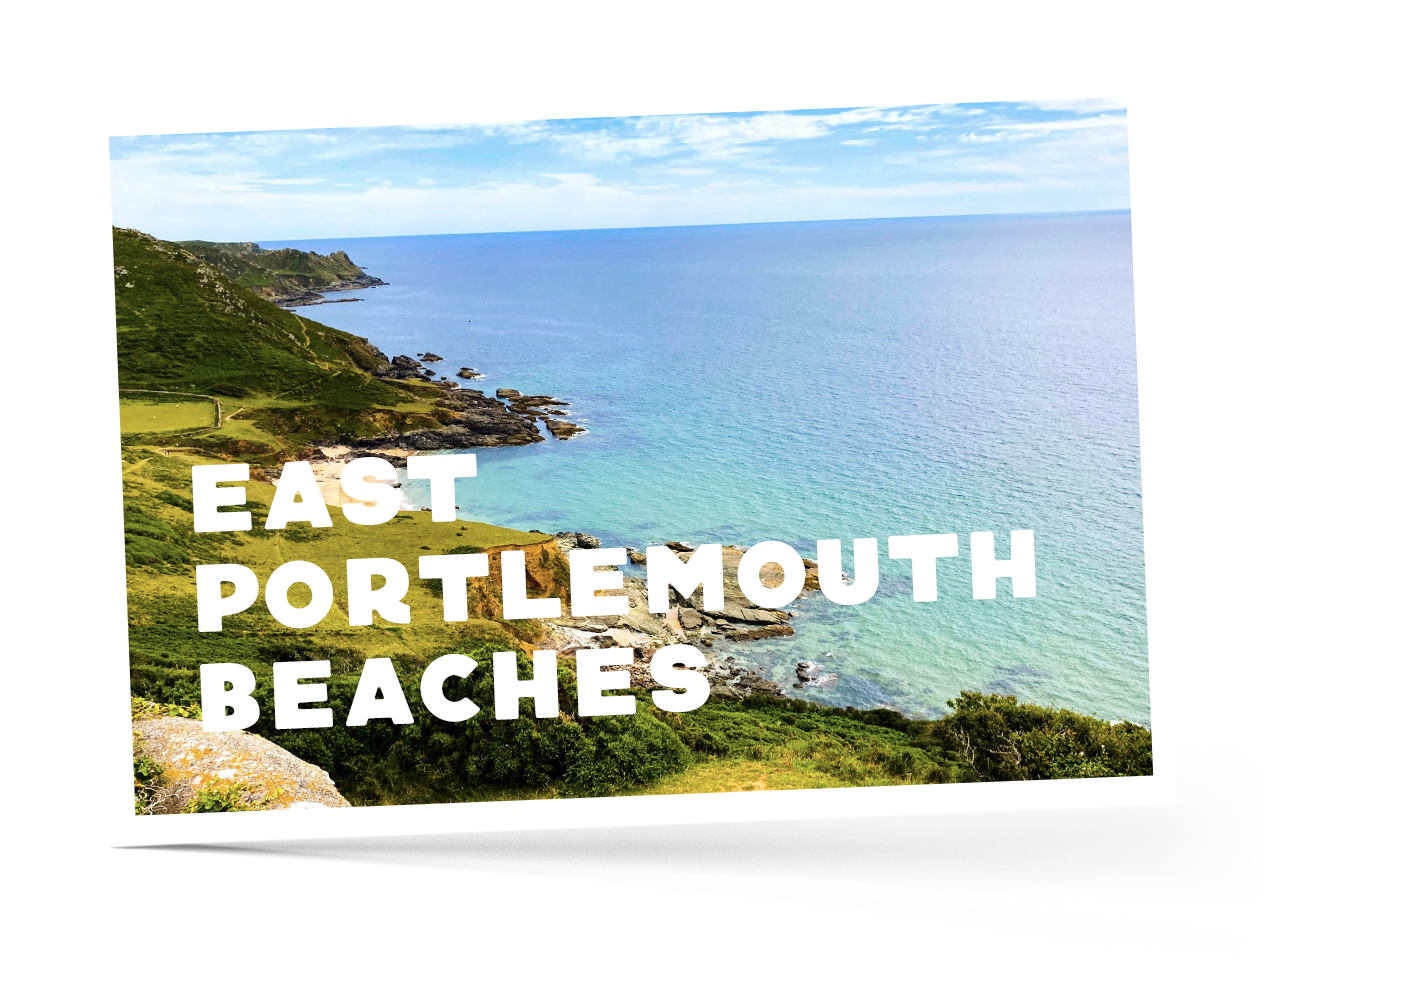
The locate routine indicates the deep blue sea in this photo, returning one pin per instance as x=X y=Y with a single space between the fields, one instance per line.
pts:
x=823 y=380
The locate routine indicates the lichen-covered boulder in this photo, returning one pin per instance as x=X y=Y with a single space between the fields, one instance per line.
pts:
x=225 y=770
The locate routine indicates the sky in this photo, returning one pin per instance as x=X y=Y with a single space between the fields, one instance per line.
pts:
x=914 y=161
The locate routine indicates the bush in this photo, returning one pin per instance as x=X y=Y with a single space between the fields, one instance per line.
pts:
x=994 y=737
x=176 y=500
x=303 y=531
x=220 y=797
x=145 y=774
x=432 y=760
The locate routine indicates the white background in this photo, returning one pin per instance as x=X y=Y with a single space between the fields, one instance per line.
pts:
x=1268 y=216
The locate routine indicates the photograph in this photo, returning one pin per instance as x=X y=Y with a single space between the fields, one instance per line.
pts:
x=623 y=456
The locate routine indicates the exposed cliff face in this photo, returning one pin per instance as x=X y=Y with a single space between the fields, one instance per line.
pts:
x=285 y=276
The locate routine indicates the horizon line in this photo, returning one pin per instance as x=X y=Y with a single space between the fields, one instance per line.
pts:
x=660 y=227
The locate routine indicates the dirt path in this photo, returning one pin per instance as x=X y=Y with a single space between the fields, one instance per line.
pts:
x=307 y=341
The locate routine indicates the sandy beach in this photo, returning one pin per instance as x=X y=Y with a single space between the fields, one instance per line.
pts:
x=329 y=469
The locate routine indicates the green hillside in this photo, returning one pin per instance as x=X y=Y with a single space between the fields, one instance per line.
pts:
x=283 y=275
x=186 y=330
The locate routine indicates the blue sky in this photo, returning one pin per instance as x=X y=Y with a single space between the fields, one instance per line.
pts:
x=989 y=158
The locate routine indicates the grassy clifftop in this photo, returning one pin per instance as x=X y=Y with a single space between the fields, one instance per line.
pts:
x=184 y=324
x=186 y=328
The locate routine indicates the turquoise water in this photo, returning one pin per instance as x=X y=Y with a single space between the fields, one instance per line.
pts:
x=824 y=380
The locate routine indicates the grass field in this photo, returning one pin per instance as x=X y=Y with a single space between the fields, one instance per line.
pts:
x=150 y=416
x=161 y=601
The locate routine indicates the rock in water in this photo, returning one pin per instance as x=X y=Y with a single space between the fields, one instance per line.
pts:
x=192 y=759
x=431 y=357
x=568 y=540
x=767 y=631
x=562 y=430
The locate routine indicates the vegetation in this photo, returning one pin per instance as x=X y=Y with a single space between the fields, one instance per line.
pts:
x=724 y=745
x=154 y=416
x=759 y=743
x=279 y=274
x=187 y=325
x=219 y=797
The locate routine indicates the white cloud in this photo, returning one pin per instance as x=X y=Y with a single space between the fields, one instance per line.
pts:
x=605 y=147
x=1074 y=125
x=722 y=137
x=1089 y=105
x=253 y=186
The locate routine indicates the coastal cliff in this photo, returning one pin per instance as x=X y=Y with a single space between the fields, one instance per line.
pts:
x=284 y=276
x=255 y=380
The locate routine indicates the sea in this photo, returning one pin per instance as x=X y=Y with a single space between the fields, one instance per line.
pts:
x=830 y=379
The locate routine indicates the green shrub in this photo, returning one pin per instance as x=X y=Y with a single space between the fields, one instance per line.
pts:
x=303 y=531
x=145 y=773
x=176 y=500
x=431 y=760
x=993 y=737
x=220 y=797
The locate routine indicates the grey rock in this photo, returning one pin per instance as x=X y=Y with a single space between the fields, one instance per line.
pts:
x=193 y=759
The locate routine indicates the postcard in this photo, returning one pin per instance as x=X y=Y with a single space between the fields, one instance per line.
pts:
x=526 y=472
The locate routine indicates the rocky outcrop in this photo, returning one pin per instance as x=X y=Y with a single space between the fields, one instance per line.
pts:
x=405 y=367
x=541 y=406
x=402 y=366
x=469 y=420
x=645 y=633
x=811 y=673
x=468 y=373
x=430 y=357
x=314 y=303
x=562 y=430
x=568 y=540
x=258 y=772
x=763 y=631
x=687 y=622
